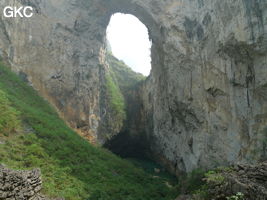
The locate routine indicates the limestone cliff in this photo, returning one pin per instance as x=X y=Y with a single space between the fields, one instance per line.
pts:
x=205 y=100
x=208 y=97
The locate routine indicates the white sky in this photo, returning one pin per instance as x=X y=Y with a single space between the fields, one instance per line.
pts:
x=129 y=41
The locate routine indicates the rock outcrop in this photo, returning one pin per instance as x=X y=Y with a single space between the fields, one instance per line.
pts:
x=242 y=182
x=20 y=184
x=248 y=180
x=205 y=101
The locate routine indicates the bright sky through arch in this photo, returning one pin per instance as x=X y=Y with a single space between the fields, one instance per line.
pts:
x=129 y=41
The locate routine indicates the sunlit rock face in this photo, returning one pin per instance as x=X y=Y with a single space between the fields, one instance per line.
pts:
x=205 y=102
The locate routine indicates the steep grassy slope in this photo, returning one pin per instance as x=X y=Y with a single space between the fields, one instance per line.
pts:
x=71 y=167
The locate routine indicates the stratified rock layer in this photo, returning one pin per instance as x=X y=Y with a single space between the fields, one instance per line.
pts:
x=249 y=180
x=205 y=101
x=20 y=184
x=246 y=181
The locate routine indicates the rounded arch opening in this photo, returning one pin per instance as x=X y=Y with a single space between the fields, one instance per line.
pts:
x=132 y=140
x=128 y=40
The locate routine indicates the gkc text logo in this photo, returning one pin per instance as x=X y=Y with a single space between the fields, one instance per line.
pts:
x=13 y=12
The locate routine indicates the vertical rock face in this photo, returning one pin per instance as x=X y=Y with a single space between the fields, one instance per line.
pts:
x=205 y=101
x=207 y=108
x=57 y=51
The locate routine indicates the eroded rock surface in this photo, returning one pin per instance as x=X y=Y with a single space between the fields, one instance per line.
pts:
x=204 y=103
x=249 y=180
x=204 y=99
x=20 y=184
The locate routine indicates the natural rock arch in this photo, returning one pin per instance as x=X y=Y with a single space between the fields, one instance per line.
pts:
x=205 y=101
x=156 y=34
x=143 y=14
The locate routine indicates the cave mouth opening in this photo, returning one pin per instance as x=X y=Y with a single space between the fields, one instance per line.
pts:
x=128 y=40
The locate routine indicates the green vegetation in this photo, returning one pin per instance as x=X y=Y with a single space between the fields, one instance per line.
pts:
x=238 y=196
x=193 y=181
x=122 y=83
x=116 y=99
x=26 y=152
x=119 y=81
x=123 y=75
x=149 y=166
x=200 y=184
x=71 y=167
x=9 y=120
x=214 y=177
